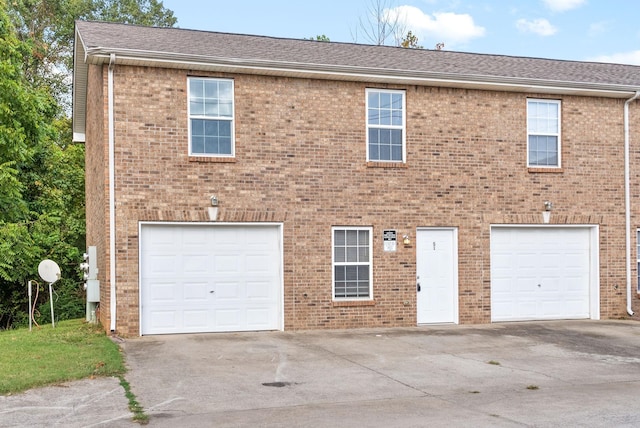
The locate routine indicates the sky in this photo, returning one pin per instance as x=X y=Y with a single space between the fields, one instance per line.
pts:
x=583 y=30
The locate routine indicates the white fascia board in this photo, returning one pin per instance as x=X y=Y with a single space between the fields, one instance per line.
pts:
x=347 y=73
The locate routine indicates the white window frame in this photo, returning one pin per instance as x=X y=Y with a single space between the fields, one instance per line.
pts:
x=212 y=117
x=545 y=134
x=334 y=263
x=402 y=127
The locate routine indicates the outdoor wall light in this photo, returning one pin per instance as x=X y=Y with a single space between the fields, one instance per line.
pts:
x=406 y=240
x=546 y=214
x=214 y=201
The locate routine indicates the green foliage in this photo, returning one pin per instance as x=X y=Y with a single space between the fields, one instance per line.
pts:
x=320 y=38
x=410 y=41
x=41 y=356
x=41 y=170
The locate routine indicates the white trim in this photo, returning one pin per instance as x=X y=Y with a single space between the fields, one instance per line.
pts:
x=280 y=227
x=333 y=264
x=456 y=291
x=112 y=197
x=594 y=257
x=558 y=135
x=627 y=202
x=402 y=127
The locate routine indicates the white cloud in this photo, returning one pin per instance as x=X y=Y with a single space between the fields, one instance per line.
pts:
x=632 y=57
x=563 y=5
x=447 y=27
x=539 y=26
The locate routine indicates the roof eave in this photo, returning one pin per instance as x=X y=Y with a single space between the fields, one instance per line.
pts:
x=79 y=97
x=374 y=75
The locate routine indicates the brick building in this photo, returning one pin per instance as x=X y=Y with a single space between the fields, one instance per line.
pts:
x=238 y=182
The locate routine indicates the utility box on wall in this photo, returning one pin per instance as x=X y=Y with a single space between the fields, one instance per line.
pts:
x=89 y=266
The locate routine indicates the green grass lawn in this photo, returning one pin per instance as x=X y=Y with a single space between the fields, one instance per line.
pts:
x=72 y=350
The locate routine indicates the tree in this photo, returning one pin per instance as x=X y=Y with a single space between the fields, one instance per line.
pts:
x=41 y=170
x=49 y=26
x=410 y=41
x=320 y=38
x=380 y=25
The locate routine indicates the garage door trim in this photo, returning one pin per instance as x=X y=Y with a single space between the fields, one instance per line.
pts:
x=277 y=225
x=594 y=257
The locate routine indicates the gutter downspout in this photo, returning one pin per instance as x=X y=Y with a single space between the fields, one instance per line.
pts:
x=112 y=198
x=627 y=198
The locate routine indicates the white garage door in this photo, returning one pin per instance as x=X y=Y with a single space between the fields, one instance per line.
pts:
x=540 y=273
x=205 y=278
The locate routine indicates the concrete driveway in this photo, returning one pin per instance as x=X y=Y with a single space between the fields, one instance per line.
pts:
x=566 y=373
x=578 y=373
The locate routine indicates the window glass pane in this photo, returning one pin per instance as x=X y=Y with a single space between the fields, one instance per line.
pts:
x=363 y=273
x=385 y=117
x=340 y=273
x=396 y=102
x=352 y=237
x=196 y=88
x=196 y=106
x=211 y=127
x=374 y=152
x=211 y=108
x=363 y=237
x=396 y=153
x=339 y=254
x=352 y=254
x=211 y=145
x=211 y=89
x=224 y=146
x=339 y=237
x=197 y=127
x=363 y=254
x=352 y=273
x=396 y=136
x=385 y=100
x=374 y=117
x=224 y=128
x=225 y=90
x=225 y=108
x=373 y=100
x=385 y=152
x=385 y=136
x=396 y=117
x=197 y=145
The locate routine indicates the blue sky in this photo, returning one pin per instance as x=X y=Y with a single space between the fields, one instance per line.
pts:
x=585 y=30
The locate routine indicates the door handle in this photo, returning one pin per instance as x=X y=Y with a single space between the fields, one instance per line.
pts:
x=418 y=287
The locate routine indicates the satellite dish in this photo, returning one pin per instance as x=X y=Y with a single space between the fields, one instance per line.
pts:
x=49 y=271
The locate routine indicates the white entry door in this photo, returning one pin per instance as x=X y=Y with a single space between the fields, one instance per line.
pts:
x=437 y=276
x=210 y=278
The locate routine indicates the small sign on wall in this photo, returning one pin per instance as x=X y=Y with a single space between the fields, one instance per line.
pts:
x=389 y=239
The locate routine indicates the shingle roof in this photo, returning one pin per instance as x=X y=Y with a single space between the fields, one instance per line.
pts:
x=311 y=53
x=192 y=49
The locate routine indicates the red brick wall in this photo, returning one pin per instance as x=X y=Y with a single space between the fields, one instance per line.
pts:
x=301 y=160
x=96 y=183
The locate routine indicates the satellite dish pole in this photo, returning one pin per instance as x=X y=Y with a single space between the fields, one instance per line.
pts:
x=50 y=272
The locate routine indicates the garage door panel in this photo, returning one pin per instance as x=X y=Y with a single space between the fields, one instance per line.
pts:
x=540 y=273
x=207 y=278
x=195 y=292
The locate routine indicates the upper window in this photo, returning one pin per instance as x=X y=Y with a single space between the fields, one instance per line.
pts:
x=352 y=267
x=211 y=117
x=385 y=125
x=543 y=133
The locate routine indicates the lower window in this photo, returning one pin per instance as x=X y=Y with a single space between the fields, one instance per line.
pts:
x=352 y=268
